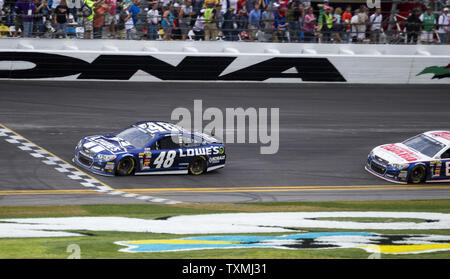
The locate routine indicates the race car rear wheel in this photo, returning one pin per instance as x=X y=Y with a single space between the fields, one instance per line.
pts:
x=198 y=165
x=125 y=166
x=417 y=174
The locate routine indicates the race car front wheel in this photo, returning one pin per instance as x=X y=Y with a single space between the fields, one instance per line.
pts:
x=198 y=165
x=417 y=174
x=125 y=166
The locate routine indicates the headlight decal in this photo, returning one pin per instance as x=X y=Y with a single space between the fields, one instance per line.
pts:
x=105 y=157
x=400 y=166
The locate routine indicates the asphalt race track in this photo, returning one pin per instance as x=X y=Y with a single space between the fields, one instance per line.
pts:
x=326 y=132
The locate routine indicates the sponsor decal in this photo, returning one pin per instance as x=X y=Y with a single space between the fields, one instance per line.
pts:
x=435 y=168
x=97 y=168
x=216 y=159
x=109 y=167
x=444 y=135
x=145 y=159
x=105 y=144
x=438 y=72
x=401 y=152
x=123 y=67
x=189 y=152
x=403 y=174
x=371 y=242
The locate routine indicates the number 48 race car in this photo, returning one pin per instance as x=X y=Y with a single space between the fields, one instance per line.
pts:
x=150 y=148
x=423 y=158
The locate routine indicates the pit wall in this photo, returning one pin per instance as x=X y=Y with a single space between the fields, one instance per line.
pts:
x=42 y=59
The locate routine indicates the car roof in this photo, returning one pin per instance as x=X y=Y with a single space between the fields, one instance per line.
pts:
x=160 y=128
x=167 y=128
x=441 y=136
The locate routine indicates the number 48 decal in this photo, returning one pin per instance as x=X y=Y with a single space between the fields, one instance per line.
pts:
x=447 y=168
x=165 y=161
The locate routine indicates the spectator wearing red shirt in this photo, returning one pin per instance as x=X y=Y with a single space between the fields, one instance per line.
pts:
x=242 y=15
x=99 y=18
x=346 y=20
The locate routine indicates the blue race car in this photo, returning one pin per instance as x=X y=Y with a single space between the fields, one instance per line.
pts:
x=423 y=158
x=150 y=148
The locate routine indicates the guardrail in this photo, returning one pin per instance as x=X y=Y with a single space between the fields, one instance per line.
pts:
x=222 y=61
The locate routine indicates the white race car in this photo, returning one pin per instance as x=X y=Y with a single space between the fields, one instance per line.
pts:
x=420 y=159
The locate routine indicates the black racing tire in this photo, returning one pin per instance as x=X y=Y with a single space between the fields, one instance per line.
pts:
x=198 y=165
x=417 y=174
x=125 y=166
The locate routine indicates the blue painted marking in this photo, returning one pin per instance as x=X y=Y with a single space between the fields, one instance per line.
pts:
x=245 y=241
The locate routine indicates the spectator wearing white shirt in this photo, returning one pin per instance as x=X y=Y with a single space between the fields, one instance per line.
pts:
x=1 y=5
x=444 y=27
x=185 y=18
x=354 y=25
x=129 y=23
x=363 y=22
x=199 y=28
x=153 y=19
x=376 y=29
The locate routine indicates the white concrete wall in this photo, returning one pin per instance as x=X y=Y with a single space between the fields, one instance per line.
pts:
x=395 y=64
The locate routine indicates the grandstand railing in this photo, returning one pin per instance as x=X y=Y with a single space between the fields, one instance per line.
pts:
x=44 y=27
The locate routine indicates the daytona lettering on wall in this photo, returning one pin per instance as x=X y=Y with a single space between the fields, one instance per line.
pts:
x=124 y=67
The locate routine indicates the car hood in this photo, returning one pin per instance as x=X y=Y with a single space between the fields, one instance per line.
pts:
x=398 y=153
x=106 y=144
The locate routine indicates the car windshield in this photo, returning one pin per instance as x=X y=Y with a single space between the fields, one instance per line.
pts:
x=136 y=137
x=424 y=145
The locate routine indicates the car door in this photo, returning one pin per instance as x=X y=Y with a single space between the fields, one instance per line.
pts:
x=188 y=143
x=440 y=169
x=446 y=163
x=165 y=154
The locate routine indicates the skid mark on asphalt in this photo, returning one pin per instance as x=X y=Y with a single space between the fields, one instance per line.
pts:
x=70 y=171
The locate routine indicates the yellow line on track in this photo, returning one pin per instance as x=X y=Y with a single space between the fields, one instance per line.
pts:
x=292 y=188
x=232 y=189
x=238 y=189
x=45 y=150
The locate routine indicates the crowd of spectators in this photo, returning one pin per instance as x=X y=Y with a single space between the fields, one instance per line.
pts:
x=230 y=20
